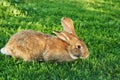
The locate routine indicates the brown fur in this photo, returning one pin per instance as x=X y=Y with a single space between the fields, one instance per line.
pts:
x=31 y=45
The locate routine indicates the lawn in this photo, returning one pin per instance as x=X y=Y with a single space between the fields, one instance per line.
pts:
x=97 y=22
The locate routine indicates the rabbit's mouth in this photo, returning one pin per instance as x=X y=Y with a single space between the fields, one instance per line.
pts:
x=74 y=56
x=78 y=56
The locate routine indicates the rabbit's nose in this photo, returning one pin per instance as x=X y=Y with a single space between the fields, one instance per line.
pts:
x=85 y=55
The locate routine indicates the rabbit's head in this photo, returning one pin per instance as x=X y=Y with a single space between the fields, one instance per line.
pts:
x=77 y=48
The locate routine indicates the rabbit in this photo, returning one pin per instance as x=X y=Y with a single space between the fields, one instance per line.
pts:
x=32 y=45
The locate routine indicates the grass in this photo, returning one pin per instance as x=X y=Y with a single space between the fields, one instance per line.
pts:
x=97 y=22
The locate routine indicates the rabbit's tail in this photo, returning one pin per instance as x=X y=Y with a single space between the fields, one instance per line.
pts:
x=4 y=51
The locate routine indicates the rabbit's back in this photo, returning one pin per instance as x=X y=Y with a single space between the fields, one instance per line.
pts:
x=27 y=44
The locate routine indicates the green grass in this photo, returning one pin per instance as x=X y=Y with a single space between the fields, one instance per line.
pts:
x=97 y=22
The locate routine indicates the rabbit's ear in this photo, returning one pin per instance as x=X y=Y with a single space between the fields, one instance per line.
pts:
x=62 y=36
x=68 y=26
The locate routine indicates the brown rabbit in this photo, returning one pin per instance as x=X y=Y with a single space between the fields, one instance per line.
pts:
x=31 y=45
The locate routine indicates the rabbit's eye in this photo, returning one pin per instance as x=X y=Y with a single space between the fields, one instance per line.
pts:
x=78 y=46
